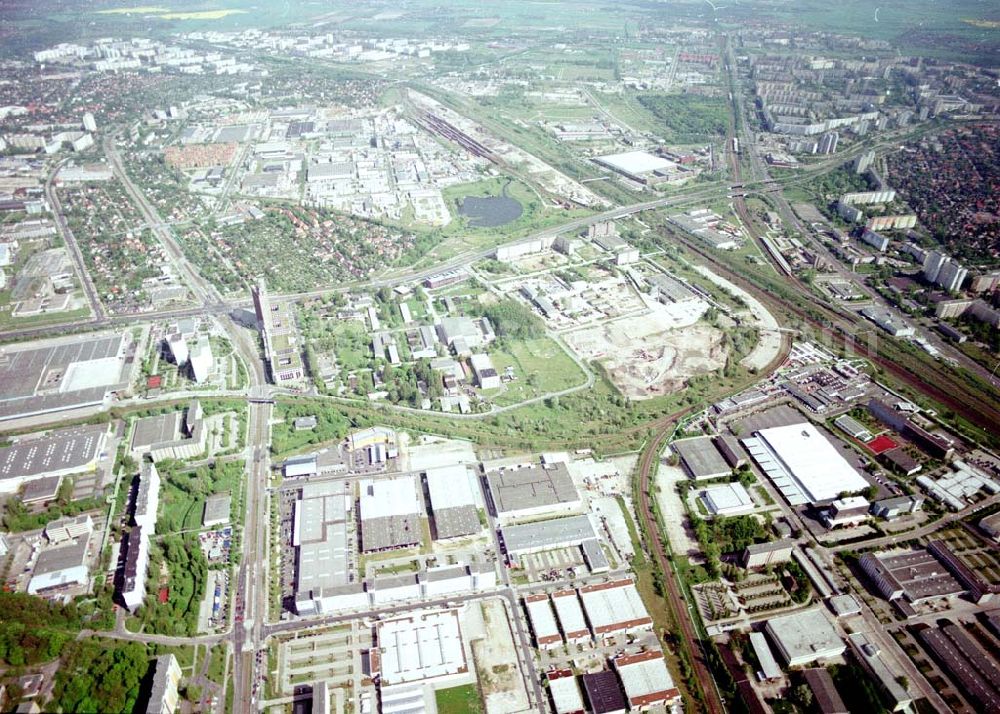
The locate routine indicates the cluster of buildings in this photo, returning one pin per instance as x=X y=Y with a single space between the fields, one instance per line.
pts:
x=329 y=45
x=190 y=350
x=140 y=54
x=710 y=228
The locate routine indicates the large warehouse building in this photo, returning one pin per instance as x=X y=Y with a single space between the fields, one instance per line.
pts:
x=532 y=491
x=452 y=502
x=62 y=565
x=805 y=637
x=420 y=647
x=646 y=680
x=320 y=534
x=58 y=453
x=913 y=574
x=546 y=535
x=614 y=607
x=390 y=513
x=803 y=464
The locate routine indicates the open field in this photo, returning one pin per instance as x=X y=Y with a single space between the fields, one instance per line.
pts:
x=463 y=699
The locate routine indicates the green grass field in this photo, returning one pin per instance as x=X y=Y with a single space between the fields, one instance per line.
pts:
x=540 y=365
x=463 y=699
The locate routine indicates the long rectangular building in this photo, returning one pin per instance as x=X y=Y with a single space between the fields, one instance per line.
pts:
x=60 y=452
x=803 y=464
x=646 y=681
x=543 y=621
x=614 y=607
x=571 y=618
x=452 y=502
x=532 y=491
x=546 y=535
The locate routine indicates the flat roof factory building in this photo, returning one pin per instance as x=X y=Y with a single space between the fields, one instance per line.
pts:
x=61 y=565
x=646 y=680
x=546 y=535
x=531 y=491
x=728 y=499
x=452 y=502
x=571 y=618
x=543 y=621
x=58 y=453
x=803 y=464
x=701 y=458
x=421 y=647
x=805 y=637
x=320 y=534
x=390 y=513
x=915 y=575
x=614 y=607
x=565 y=692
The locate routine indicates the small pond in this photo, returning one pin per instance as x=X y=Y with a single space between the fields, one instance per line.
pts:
x=490 y=211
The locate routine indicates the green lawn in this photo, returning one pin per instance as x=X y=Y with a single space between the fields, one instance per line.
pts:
x=540 y=366
x=458 y=700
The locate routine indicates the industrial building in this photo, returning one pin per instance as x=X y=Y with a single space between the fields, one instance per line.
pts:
x=176 y=435
x=386 y=589
x=931 y=444
x=701 y=458
x=614 y=607
x=164 y=697
x=870 y=657
x=977 y=675
x=646 y=681
x=320 y=533
x=728 y=499
x=853 y=428
x=892 y=508
x=769 y=669
x=803 y=464
x=759 y=555
x=216 y=510
x=532 y=491
x=978 y=589
x=543 y=621
x=325 y=462
x=546 y=535
x=565 y=692
x=604 y=693
x=58 y=375
x=484 y=371
x=419 y=648
x=61 y=565
x=377 y=444
x=645 y=168
x=452 y=502
x=571 y=618
x=58 y=453
x=463 y=334
x=990 y=525
x=390 y=512
x=917 y=576
x=889 y=321
x=805 y=637
x=66 y=529
x=826 y=698
x=846 y=512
